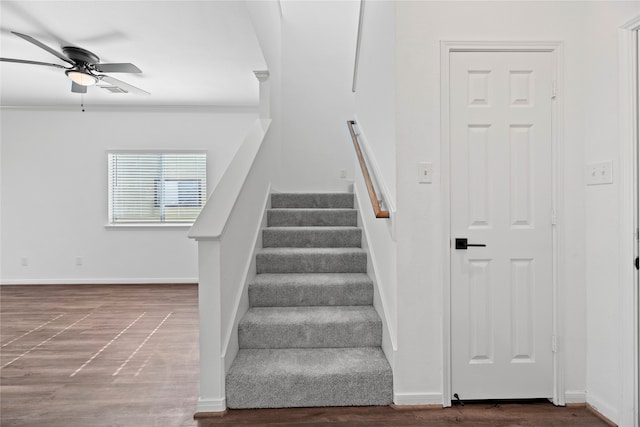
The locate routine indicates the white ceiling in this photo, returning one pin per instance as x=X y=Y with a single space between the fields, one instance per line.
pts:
x=191 y=53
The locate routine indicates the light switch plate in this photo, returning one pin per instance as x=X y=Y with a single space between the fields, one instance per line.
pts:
x=425 y=173
x=599 y=173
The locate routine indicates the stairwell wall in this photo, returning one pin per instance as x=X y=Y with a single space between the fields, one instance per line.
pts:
x=266 y=18
x=377 y=241
x=318 y=47
x=375 y=115
x=375 y=102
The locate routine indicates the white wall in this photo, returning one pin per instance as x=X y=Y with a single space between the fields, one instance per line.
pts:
x=603 y=285
x=318 y=52
x=266 y=17
x=54 y=192
x=375 y=101
x=588 y=258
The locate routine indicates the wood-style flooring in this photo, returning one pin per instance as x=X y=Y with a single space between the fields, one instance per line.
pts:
x=97 y=355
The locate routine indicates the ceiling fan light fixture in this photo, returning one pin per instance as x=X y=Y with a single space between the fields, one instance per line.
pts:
x=81 y=78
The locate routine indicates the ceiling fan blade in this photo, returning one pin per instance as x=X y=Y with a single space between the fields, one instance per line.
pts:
x=124 y=67
x=122 y=85
x=76 y=88
x=24 y=61
x=44 y=46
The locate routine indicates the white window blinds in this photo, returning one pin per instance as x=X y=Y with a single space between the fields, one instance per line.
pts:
x=156 y=187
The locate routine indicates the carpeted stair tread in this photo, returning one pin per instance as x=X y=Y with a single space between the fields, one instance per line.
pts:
x=312 y=237
x=311 y=217
x=276 y=378
x=312 y=200
x=311 y=336
x=310 y=327
x=311 y=260
x=277 y=290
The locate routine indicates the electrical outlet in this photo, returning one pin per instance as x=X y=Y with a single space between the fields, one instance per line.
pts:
x=599 y=173
x=79 y=261
x=425 y=173
x=24 y=261
x=343 y=173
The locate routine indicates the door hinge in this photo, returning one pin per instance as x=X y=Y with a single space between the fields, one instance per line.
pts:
x=554 y=217
x=554 y=90
x=554 y=343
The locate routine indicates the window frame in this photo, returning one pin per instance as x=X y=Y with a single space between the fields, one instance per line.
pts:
x=110 y=224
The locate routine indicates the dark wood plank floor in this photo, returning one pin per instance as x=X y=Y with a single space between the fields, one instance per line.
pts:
x=98 y=355
x=128 y=356
x=489 y=414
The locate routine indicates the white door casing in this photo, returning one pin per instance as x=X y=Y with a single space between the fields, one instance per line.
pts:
x=629 y=82
x=501 y=189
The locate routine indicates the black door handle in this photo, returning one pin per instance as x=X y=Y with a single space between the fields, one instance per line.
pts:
x=463 y=243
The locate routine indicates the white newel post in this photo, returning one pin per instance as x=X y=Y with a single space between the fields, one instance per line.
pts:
x=263 y=78
x=212 y=375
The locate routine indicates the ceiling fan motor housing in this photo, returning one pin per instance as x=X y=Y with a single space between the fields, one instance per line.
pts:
x=77 y=54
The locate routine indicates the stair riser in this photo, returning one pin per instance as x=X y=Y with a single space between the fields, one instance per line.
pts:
x=356 y=334
x=311 y=218
x=291 y=295
x=334 y=201
x=355 y=262
x=278 y=238
x=303 y=391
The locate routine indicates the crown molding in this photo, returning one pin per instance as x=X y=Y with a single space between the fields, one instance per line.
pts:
x=220 y=109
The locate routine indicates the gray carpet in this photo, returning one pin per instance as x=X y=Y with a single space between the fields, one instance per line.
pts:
x=311 y=260
x=308 y=327
x=290 y=289
x=311 y=237
x=292 y=217
x=311 y=336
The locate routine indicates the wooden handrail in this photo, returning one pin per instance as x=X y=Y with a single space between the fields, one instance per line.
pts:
x=365 y=172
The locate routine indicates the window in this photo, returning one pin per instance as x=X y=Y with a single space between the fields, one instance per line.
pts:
x=178 y=192
x=156 y=187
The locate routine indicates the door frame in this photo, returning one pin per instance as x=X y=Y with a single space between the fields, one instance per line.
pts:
x=555 y=48
x=629 y=195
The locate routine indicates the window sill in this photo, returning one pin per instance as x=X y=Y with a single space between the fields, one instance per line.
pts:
x=144 y=226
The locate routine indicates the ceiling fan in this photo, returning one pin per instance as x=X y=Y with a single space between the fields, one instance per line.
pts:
x=85 y=70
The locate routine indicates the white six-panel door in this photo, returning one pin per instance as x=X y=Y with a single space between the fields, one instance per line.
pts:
x=501 y=197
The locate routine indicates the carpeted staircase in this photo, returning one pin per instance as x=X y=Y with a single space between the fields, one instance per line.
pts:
x=311 y=336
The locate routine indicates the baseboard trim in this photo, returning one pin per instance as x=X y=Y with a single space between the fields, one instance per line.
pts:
x=597 y=413
x=575 y=396
x=601 y=409
x=417 y=399
x=111 y=281
x=206 y=408
x=415 y=407
x=205 y=415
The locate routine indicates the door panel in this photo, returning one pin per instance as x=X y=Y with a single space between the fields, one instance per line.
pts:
x=501 y=196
